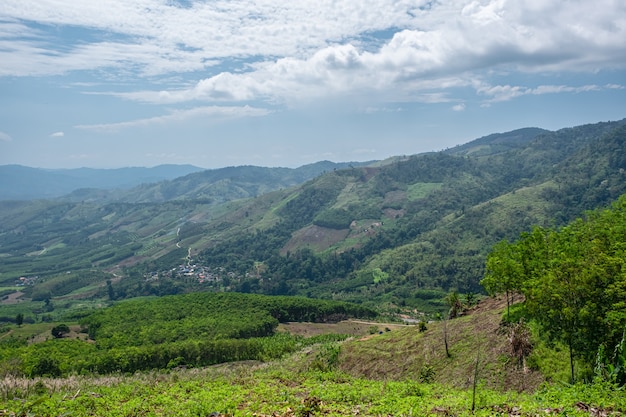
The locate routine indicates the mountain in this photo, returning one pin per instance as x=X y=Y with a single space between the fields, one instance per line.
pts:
x=24 y=183
x=216 y=185
x=400 y=233
x=498 y=142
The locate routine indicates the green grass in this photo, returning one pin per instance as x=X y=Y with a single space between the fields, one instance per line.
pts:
x=275 y=389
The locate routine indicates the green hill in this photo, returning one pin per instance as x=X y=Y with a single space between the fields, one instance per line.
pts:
x=401 y=233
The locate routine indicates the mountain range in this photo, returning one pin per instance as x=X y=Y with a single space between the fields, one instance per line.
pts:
x=402 y=231
x=160 y=183
x=19 y=182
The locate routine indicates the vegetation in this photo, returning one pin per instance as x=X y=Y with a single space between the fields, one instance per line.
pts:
x=573 y=282
x=426 y=222
x=400 y=372
x=196 y=329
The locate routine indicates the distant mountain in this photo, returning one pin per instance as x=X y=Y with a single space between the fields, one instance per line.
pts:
x=216 y=186
x=18 y=182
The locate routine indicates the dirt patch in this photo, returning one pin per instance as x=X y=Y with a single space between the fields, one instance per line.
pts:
x=12 y=298
x=350 y=327
x=314 y=237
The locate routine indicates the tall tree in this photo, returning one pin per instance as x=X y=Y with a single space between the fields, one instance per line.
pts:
x=574 y=279
x=503 y=272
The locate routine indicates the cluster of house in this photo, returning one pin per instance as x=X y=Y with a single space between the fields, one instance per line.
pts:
x=200 y=273
x=26 y=281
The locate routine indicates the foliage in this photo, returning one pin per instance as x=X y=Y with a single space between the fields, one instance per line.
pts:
x=60 y=330
x=197 y=329
x=612 y=369
x=573 y=279
x=426 y=221
x=333 y=219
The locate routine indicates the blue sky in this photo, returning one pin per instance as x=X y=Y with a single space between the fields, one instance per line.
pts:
x=218 y=83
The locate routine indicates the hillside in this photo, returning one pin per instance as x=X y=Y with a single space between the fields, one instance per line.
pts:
x=212 y=186
x=400 y=233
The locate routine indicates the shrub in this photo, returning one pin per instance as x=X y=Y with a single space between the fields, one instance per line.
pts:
x=60 y=331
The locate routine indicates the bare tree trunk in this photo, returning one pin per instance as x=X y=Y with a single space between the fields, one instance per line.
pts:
x=508 y=307
x=445 y=336
x=475 y=381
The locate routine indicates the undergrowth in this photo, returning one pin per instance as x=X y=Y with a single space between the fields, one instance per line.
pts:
x=246 y=390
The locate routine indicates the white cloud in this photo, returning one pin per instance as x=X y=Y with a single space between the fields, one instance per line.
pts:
x=459 y=107
x=5 y=137
x=507 y=92
x=57 y=135
x=291 y=51
x=216 y=113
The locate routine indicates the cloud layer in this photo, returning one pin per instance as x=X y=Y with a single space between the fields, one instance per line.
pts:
x=285 y=52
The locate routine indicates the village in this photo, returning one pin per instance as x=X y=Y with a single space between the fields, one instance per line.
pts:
x=199 y=273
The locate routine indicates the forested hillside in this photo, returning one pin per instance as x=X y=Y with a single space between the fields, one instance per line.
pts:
x=402 y=233
x=213 y=186
x=427 y=222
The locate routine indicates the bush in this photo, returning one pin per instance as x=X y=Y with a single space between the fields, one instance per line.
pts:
x=60 y=331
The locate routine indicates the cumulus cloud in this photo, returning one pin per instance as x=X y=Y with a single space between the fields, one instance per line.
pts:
x=306 y=50
x=5 y=137
x=459 y=107
x=216 y=113
x=57 y=135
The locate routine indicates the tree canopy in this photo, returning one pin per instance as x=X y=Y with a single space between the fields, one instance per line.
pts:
x=573 y=279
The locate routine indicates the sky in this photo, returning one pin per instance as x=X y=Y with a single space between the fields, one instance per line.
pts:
x=215 y=83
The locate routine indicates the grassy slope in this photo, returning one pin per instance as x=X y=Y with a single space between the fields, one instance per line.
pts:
x=405 y=353
x=373 y=376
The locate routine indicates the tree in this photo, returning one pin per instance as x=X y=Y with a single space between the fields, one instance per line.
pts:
x=503 y=272
x=46 y=366
x=573 y=279
x=19 y=319
x=454 y=302
x=60 y=331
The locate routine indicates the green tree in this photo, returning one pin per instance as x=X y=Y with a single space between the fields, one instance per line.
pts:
x=60 y=331
x=573 y=279
x=19 y=319
x=503 y=272
x=46 y=366
x=454 y=302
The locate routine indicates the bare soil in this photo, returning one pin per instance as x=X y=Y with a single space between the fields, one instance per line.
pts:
x=349 y=327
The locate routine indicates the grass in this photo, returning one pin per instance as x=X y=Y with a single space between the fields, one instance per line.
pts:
x=405 y=352
x=278 y=390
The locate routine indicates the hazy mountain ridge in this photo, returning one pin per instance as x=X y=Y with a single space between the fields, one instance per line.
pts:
x=157 y=184
x=19 y=182
x=229 y=183
x=498 y=142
